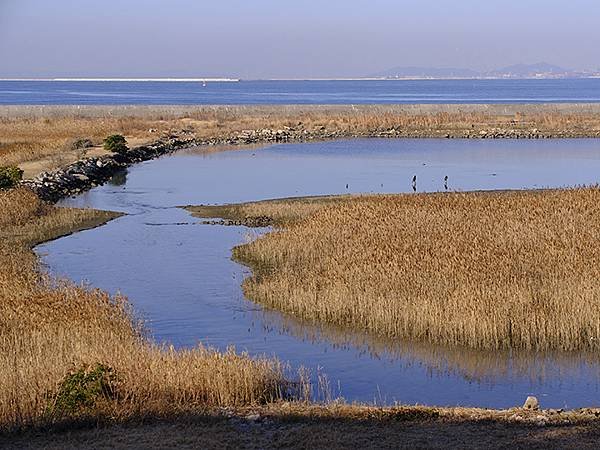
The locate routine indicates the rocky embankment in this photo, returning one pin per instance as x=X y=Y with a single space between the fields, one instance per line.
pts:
x=301 y=134
x=89 y=172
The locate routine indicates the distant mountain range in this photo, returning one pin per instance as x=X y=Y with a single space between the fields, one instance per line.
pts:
x=538 y=70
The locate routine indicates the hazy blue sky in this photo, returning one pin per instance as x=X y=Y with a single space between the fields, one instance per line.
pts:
x=278 y=38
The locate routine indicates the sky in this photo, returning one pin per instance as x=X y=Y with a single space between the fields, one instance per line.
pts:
x=289 y=39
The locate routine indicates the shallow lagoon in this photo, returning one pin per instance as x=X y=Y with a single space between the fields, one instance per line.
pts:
x=179 y=276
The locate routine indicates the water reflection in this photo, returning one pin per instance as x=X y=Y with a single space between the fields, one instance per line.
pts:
x=481 y=366
x=119 y=178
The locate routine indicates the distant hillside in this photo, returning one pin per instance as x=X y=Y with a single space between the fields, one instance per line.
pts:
x=530 y=70
x=538 y=70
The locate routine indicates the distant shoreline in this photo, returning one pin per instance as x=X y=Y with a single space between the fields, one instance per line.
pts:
x=176 y=80
x=237 y=80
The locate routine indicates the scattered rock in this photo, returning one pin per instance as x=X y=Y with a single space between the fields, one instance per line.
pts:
x=253 y=417
x=531 y=403
x=252 y=222
x=541 y=420
x=81 y=177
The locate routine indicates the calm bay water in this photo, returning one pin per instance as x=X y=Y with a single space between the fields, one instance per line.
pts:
x=299 y=92
x=179 y=276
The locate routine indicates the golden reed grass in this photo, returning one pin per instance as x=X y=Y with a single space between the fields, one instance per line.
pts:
x=483 y=270
x=49 y=328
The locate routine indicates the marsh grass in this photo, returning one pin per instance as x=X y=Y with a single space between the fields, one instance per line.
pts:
x=50 y=329
x=512 y=270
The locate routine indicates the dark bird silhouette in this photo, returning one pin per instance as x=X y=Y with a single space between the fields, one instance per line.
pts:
x=414 y=183
x=346 y=185
x=446 y=182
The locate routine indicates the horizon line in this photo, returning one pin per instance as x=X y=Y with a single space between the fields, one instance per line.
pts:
x=165 y=79
x=237 y=80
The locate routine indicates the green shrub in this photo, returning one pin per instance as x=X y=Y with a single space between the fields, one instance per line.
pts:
x=116 y=143
x=81 y=389
x=9 y=177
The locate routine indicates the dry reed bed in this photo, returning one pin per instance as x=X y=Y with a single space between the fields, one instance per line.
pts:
x=29 y=137
x=485 y=270
x=49 y=328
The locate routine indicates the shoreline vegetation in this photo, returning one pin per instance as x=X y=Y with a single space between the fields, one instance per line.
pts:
x=77 y=370
x=42 y=138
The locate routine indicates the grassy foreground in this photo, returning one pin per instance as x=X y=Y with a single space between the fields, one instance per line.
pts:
x=71 y=354
x=511 y=270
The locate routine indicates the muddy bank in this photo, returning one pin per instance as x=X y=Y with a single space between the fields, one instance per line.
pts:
x=264 y=213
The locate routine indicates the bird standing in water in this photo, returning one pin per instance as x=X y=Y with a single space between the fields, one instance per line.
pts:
x=446 y=182
x=414 y=183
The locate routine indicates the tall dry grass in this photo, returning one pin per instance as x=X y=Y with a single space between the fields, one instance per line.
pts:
x=483 y=270
x=49 y=329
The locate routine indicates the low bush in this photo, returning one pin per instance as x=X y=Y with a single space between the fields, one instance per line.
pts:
x=79 y=144
x=10 y=176
x=116 y=143
x=81 y=389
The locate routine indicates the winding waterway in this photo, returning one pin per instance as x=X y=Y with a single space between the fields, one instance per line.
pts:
x=179 y=275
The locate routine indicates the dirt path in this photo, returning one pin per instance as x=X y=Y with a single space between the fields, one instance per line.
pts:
x=314 y=428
